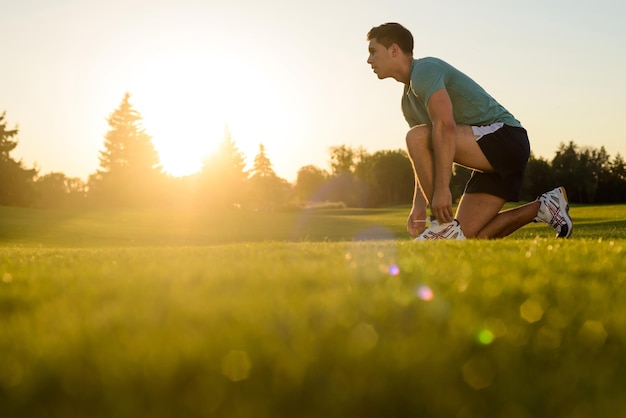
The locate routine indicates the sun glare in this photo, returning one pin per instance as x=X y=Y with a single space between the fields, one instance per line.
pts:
x=186 y=101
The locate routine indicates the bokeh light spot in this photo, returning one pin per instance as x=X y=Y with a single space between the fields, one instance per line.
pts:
x=236 y=365
x=394 y=270
x=485 y=337
x=363 y=338
x=592 y=334
x=425 y=293
x=548 y=338
x=531 y=311
x=496 y=326
x=478 y=373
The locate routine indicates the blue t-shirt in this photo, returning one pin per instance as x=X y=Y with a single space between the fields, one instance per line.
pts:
x=471 y=104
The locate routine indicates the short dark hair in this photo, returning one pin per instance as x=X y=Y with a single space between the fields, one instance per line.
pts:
x=388 y=34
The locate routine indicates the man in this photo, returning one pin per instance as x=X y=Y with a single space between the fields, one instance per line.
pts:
x=454 y=120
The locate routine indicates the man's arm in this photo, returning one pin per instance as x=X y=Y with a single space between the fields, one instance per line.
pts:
x=416 y=224
x=444 y=147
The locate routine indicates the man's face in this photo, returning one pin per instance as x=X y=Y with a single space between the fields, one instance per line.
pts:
x=379 y=59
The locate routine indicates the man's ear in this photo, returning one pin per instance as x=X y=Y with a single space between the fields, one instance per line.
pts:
x=395 y=50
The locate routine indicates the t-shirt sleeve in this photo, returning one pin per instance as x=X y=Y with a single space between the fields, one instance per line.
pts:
x=427 y=79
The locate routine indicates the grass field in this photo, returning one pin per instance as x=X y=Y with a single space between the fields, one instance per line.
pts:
x=307 y=314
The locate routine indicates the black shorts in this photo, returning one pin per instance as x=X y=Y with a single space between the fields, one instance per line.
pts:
x=508 y=150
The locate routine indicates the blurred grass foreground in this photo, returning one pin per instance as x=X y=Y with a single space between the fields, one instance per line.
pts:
x=155 y=320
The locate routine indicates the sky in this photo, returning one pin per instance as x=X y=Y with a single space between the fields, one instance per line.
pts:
x=292 y=75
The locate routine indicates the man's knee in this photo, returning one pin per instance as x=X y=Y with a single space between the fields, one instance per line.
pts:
x=419 y=136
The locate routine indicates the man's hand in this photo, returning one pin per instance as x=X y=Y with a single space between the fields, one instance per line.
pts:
x=441 y=206
x=416 y=224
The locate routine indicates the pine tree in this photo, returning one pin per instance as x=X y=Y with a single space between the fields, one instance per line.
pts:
x=130 y=171
x=267 y=190
x=127 y=145
x=16 y=182
x=262 y=165
x=7 y=144
x=223 y=175
x=228 y=161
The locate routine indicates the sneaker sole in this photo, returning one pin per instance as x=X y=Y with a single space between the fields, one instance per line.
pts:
x=566 y=230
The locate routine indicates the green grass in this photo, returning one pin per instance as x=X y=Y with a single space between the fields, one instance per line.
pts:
x=140 y=228
x=179 y=314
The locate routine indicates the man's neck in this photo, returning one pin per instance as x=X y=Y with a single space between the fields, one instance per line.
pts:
x=404 y=72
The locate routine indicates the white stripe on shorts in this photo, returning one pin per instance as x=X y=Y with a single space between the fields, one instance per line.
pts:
x=480 y=131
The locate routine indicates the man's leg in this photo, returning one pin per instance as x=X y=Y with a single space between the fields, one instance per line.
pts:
x=478 y=213
x=419 y=146
x=480 y=217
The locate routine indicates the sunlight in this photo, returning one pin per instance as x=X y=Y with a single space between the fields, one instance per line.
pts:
x=187 y=100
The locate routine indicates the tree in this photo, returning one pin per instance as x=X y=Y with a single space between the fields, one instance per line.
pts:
x=595 y=162
x=7 y=144
x=389 y=177
x=130 y=174
x=612 y=185
x=344 y=186
x=310 y=183
x=267 y=190
x=567 y=171
x=342 y=160
x=223 y=177
x=16 y=181
x=127 y=145
x=56 y=190
x=581 y=171
x=538 y=178
x=262 y=165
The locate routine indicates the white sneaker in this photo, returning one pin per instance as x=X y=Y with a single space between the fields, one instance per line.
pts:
x=450 y=230
x=554 y=211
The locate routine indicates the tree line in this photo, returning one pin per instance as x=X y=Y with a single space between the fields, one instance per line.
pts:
x=130 y=175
